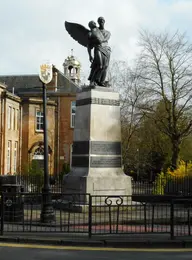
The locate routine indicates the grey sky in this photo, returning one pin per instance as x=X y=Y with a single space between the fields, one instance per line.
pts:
x=33 y=30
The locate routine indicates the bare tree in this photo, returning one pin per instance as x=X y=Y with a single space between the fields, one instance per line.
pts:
x=122 y=78
x=166 y=74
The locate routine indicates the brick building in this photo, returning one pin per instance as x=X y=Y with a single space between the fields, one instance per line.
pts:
x=22 y=118
x=10 y=138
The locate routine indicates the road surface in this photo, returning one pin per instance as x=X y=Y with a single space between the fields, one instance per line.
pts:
x=31 y=252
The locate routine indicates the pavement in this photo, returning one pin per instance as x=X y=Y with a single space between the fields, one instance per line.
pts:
x=103 y=241
x=31 y=252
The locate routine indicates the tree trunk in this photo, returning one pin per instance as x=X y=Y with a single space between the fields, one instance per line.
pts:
x=175 y=153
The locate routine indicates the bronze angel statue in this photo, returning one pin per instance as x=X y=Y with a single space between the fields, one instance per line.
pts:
x=96 y=38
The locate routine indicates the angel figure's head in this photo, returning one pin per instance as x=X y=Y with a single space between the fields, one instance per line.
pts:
x=92 y=25
x=101 y=22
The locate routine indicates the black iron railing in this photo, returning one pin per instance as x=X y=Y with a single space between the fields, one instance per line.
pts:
x=97 y=215
x=33 y=184
x=162 y=186
x=181 y=217
x=21 y=213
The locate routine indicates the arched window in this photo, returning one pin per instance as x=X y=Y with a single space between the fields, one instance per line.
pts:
x=39 y=153
x=38 y=157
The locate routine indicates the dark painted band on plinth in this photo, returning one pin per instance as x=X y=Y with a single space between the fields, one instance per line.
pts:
x=105 y=162
x=81 y=147
x=97 y=161
x=98 y=101
x=97 y=147
x=80 y=161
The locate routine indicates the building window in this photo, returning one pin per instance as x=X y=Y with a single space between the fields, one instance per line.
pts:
x=13 y=119
x=9 y=118
x=15 y=157
x=39 y=121
x=73 y=110
x=9 y=157
x=17 y=120
x=38 y=159
x=39 y=153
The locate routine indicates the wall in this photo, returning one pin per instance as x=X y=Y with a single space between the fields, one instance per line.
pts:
x=2 y=117
x=11 y=133
x=25 y=138
x=32 y=137
x=60 y=132
x=65 y=129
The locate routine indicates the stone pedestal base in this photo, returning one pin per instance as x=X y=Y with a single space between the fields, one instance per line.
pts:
x=97 y=159
x=100 y=186
x=119 y=185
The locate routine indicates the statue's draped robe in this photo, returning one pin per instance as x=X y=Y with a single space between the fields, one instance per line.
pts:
x=99 y=41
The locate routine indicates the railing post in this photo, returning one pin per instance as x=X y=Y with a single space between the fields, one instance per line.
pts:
x=90 y=215
x=153 y=217
x=117 y=224
x=145 y=216
x=189 y=220
x=172 y=220
x=2 y=214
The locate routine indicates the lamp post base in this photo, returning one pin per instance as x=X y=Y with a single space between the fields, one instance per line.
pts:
x=47 y=212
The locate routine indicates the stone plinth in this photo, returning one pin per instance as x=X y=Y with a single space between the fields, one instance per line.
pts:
x=97 y=159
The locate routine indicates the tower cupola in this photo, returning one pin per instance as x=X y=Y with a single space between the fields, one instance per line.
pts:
x=72 y=68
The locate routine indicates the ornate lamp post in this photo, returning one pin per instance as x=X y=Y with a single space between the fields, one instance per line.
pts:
x=47 y=212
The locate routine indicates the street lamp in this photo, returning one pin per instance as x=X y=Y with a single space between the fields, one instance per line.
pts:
x=47 y=212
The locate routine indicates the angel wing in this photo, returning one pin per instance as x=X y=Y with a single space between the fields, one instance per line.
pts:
x=78 y=32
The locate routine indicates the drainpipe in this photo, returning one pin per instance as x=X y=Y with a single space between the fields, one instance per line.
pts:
x=20 y=135
x=2 y=133
x=58 y=122
x=58 y=135
x=4 y=121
